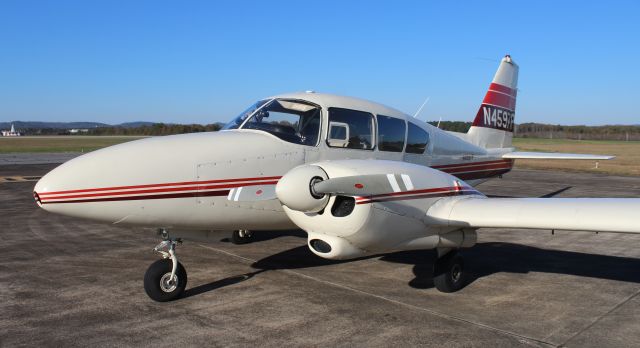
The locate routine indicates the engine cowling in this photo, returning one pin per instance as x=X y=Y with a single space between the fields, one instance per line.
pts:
x=348 y=227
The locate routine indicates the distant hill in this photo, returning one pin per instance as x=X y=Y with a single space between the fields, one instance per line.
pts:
x=51 y=125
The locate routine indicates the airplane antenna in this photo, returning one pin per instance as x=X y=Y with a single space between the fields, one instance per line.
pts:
x=439 y=120
x=421 y=106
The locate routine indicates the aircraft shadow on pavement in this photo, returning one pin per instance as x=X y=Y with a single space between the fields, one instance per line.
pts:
x=295 y=258
x=482 y=260
x=485 y=259
x=220 y=283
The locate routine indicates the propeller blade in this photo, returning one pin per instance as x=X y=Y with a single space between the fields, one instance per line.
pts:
x=357 y=185
x=252 y=193
x=364 y=185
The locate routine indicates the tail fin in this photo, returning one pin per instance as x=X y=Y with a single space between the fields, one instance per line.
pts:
x=493 y=125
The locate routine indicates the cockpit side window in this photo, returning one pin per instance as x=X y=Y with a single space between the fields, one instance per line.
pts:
x=391 y=132
x=417 y=139
x=356 y=126
x=295 y=121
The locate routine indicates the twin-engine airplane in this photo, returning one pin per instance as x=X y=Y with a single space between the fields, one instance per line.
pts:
x=359 y=177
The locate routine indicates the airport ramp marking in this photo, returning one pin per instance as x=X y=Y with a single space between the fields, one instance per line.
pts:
x=18 y=178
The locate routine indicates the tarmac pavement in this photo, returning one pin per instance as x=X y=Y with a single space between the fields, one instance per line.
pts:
x=71 y=282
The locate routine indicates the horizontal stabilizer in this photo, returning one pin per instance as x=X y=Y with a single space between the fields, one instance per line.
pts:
x=577 y=214
x=555 y=156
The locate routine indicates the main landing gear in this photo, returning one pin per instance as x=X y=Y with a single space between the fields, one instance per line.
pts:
x=165 y=279
x=448 y=271
x=241 y=237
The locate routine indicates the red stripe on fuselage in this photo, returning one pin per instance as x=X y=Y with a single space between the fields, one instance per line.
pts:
x=477 y=168
x=137 y=198
x=184 y=183
x=469 y=164
x=163 y=190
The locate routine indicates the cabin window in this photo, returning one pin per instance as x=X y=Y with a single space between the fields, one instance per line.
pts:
x=391 y=132
x=417 y=139
x=295 y=121
x=350 y=129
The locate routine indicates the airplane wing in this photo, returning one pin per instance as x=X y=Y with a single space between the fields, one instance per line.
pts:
x=555 y=156
x=579 y=214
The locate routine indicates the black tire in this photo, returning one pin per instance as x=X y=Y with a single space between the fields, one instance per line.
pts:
x=154 y=276
x=448 y=273
x=237 y=239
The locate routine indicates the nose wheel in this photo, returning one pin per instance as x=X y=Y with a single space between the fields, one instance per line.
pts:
x=448 y=272
x=165 y=279
x=241 y=237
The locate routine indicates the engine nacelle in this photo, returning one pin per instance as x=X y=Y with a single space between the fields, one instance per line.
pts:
x=332 y=247
x=350 y=227
x=338 y=248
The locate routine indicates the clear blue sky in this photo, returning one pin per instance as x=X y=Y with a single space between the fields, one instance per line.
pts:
x=191 y=61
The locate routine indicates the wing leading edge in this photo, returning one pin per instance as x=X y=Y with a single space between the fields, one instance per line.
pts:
x=579 y=214
x=555 y=156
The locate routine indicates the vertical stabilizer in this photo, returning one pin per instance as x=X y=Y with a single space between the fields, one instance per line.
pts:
x=494 y=122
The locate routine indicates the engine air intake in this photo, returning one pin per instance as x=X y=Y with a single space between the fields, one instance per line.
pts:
x=320 y=246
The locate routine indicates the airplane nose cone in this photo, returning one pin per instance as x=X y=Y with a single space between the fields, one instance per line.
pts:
x=128 y=170
x=58 y=182
x=143 y=181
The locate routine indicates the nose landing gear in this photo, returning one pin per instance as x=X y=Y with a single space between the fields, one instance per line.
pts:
x=165 y=279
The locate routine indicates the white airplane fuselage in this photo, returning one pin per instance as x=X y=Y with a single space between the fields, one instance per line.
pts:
x=184 y=181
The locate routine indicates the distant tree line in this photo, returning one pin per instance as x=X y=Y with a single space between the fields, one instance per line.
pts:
x=155 y=129
x=608 y=132
x=453 y=126
x=550 y=131
x=42 y=131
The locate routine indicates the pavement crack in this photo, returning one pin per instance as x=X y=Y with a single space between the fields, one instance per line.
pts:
x=613 y=309
x=521 y=338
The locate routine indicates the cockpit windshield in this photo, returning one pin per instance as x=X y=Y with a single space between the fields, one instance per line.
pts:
x=238 y=120
x=291 y=120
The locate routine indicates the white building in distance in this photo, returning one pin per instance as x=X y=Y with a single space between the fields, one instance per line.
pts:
x=11 y=133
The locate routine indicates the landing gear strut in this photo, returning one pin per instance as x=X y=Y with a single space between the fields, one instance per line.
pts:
x=448 y=271
x=241 y=237
x=165 y=279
